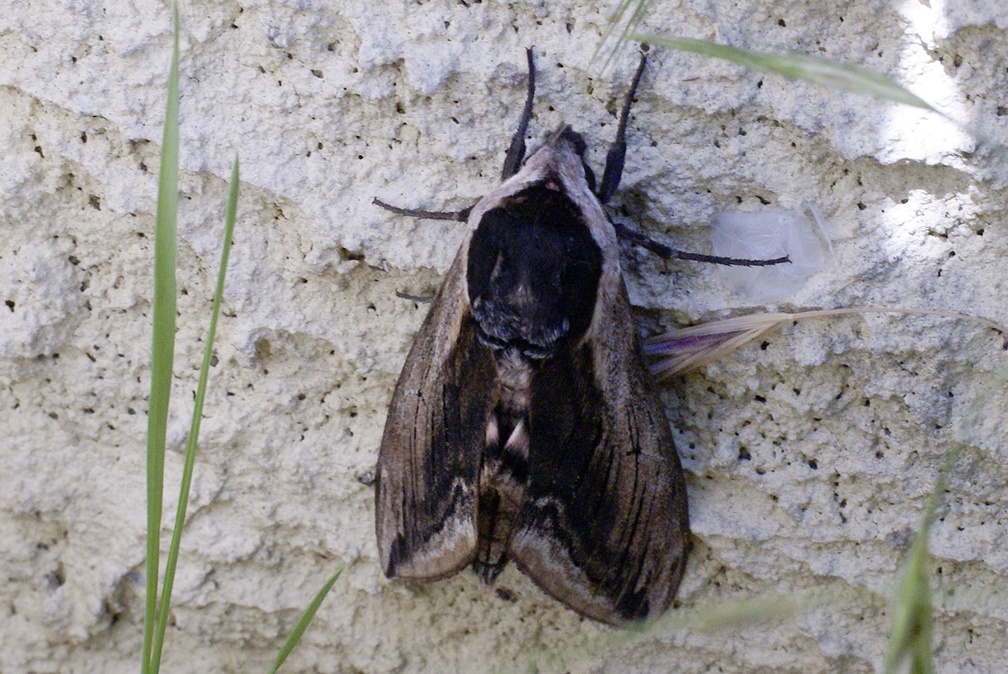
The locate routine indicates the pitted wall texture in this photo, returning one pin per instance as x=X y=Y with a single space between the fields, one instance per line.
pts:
x=810 y=456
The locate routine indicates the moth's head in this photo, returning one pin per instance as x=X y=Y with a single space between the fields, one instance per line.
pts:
x=567 y=149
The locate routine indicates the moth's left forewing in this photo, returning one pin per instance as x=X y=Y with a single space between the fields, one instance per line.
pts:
x=605 y=528
x=426 y=485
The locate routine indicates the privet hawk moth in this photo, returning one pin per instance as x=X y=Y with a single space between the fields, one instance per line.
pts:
x=525 y=425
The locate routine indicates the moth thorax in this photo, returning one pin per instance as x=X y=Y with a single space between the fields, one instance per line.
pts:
x=533 y=271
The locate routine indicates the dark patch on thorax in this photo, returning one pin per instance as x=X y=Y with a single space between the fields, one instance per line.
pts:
x=533 y=273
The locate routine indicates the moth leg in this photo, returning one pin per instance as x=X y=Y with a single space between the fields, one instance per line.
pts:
x=667 y=253
x=460 y=216
x=421 y=299
x=617 y=152
x=516 y=152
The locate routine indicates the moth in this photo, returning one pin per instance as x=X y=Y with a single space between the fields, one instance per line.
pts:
x=525 y=426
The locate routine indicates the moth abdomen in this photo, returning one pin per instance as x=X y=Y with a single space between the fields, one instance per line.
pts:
x=504 y=472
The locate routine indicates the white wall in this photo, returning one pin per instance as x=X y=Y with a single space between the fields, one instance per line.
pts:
x=845 y=422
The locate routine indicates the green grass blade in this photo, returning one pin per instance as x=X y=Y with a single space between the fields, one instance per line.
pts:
x=625 y=32
x=727 y=616
x=798 y=66
x=303 y=622
x=163 y=338
x=818 y=70
x=197 y=416
x=806 y=67
x=910 y=639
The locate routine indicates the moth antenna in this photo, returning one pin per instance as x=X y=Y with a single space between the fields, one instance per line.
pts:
x=667 y=253
x=617 y=151
x=516 y=152
x=460 y=216
x=513 y=160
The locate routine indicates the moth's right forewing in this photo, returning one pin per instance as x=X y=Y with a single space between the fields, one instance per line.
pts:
x=426 y=488
x=605 y=527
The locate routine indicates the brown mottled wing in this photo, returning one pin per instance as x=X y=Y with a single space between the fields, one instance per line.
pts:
x=426 y=489
x=605 y=527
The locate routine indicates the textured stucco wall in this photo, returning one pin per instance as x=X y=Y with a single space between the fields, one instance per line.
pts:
x=809 y=460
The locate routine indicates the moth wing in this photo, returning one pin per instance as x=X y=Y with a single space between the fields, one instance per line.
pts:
x=605 y=527
x=426 y=488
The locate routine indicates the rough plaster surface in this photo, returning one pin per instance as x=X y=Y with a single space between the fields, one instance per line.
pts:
x=809 y=457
